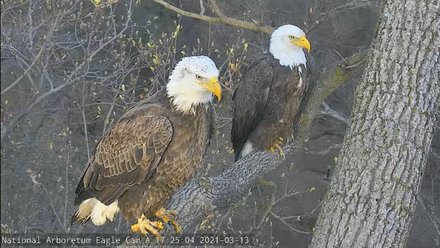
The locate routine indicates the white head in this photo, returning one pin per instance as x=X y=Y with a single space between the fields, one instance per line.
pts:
x=286 y=45
x=193 y=81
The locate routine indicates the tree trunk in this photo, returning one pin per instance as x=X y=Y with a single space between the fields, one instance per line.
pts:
x=372 y=198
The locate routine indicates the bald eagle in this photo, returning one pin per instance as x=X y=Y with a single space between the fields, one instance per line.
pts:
x=267 y=100
x=152 y=150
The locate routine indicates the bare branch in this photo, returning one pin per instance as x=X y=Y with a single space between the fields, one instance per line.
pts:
x=84 y=118
x=325 y=151
x=219 y=20
x=355 y=4
x=283 y=220
x=333 y=113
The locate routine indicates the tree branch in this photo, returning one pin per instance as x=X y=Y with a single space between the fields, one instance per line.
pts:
x=327 y=110
x=222 y=19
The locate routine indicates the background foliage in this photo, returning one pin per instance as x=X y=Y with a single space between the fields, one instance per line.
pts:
x=70 y=69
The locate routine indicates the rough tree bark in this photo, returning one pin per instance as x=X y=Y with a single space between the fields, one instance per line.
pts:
x=372 y=197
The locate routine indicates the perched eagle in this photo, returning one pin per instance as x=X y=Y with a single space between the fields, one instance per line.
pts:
x=152 y=150
x=267 y=100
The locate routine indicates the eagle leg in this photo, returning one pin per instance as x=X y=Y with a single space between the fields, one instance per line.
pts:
x=146 y=226
x=276 y=147
x=169 y=216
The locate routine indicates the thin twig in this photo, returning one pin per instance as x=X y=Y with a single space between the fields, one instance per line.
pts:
x=202 y=8
x=84 y=119
x=24 y=73
x=66 y=195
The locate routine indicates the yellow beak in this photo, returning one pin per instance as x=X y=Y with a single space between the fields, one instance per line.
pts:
x=214 y=87
x=302 y=42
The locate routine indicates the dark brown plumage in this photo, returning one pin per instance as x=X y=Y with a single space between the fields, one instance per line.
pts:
x=266 y=103
x=150 y=152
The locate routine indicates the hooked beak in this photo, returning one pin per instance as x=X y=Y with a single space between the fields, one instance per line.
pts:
x=302 y=42
x=214 y=87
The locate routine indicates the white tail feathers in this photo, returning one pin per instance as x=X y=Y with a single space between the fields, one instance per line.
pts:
x=98 y=212
x=247 y=148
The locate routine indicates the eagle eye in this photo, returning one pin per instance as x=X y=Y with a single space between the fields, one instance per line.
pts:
x=199 y=77
x=291 y=37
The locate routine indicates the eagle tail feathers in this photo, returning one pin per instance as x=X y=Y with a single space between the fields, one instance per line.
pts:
x=82 y=214
x=246 y=149
x=96 y=211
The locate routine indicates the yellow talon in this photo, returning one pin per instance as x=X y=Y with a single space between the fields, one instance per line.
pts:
x=169 y=216
x=280 y=150
x=276 y=146
x=146 y=226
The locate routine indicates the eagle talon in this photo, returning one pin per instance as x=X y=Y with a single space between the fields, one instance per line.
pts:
x=172 y=212
x=280 y=151
x=276 y=147
x=145 y=226
x=168 y=216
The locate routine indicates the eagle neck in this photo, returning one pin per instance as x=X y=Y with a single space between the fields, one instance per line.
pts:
x=287 y=55
x=185 y=100
x=186 y=107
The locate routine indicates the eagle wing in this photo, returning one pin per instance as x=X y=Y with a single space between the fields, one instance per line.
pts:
x=250 y=100
x=128 y=154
